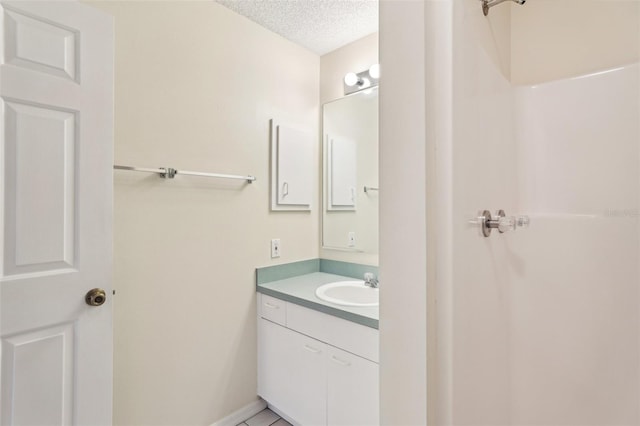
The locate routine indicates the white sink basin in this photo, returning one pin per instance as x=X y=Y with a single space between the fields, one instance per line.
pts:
x=348 y=293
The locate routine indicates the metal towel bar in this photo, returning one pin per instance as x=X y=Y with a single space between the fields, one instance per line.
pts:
x=170 y=173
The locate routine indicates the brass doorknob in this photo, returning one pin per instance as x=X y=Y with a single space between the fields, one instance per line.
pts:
x=95 y=297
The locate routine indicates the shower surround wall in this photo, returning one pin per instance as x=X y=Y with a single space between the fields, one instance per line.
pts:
x=196 y=85
x=540 y=326
x=574 y=278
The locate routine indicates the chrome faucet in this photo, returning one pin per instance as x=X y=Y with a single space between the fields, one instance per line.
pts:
x=370 y=280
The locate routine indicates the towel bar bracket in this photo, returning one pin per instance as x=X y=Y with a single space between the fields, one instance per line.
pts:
x=168 y=173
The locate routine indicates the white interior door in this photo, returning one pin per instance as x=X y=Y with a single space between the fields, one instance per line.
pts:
x=56 y=137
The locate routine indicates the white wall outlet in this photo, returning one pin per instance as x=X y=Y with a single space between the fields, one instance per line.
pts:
x=352 y=239
x=275 y=248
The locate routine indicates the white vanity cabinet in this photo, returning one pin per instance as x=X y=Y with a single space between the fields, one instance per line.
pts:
x=352 y=389
x=293 y=371
x=306 y=376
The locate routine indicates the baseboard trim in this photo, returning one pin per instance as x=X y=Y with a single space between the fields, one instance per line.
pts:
x=242 y=414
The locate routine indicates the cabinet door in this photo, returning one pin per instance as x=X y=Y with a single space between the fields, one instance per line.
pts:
x=342 y=173
x=353 y=390
x=292 y=371
x=292 y=161
x=295 y=158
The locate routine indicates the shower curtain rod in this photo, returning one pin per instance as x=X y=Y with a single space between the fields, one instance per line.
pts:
x=170 y=173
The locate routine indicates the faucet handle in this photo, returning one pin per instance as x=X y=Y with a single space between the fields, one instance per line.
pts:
x=370 y=280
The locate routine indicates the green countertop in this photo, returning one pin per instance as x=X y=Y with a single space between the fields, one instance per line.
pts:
x=301 y=290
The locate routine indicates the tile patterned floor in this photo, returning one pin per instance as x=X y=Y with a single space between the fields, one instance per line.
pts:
x=265 y=417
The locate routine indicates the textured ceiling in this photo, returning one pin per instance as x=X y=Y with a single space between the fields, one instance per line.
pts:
x=319 y=25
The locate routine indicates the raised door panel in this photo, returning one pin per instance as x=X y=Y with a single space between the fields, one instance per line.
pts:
x=39 y=367
x=40 y=145
x=353 y=390
x=40 y=45
x=292 y=371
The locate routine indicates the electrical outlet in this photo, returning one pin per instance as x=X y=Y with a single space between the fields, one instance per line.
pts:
x=352 y=239
x=275 y=248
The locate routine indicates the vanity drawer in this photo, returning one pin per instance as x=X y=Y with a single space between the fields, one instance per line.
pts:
x=272 y=309
x=355 y=338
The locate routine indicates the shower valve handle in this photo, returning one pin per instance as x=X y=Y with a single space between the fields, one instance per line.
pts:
x=502 y=222
x=505 y=223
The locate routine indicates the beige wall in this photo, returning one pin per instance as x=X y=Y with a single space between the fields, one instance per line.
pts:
x=196 y=86
x=555 y=39
x=354 y=57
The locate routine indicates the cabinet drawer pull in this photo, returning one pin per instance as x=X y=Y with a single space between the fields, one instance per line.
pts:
x=339 y=361
x=269 y=305
x=312 y=349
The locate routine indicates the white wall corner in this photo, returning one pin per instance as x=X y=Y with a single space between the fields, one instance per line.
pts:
x=403 y=242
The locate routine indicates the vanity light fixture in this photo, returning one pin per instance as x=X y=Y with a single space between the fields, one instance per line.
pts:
x=374 y=71
x=355 y=82
x=351 y=79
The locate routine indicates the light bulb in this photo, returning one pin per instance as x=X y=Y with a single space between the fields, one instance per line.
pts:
x=351 y=79
x=374 y=71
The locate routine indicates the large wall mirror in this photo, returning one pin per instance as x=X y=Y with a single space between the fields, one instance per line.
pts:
x=350 y=173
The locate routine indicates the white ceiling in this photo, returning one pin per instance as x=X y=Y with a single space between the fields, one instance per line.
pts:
x=319 y=25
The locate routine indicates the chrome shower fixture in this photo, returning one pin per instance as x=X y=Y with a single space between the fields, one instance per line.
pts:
x=487 y=4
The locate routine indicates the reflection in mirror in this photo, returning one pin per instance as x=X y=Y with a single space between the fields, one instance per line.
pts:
x=350 y=164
